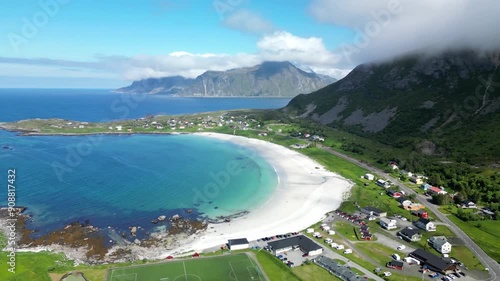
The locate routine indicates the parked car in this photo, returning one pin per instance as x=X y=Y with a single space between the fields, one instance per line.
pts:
x=396 y=257
x=401 y=247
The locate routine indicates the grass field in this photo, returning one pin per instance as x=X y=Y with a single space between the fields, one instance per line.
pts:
x=239 y=267
x=274 y=268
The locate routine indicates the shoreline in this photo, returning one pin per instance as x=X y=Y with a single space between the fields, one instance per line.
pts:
x=305 y=192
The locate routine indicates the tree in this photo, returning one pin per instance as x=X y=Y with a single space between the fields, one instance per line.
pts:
x=440 y=199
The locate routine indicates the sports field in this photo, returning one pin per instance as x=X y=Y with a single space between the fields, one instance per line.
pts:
x=239 y=267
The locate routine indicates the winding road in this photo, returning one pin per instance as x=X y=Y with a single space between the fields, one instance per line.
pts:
x=487 y=261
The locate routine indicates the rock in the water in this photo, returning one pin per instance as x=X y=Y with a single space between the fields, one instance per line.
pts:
x=133 y=230
x=162 y=218
x=137 y=242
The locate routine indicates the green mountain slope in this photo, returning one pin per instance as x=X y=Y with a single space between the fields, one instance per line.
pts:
x=444 y=105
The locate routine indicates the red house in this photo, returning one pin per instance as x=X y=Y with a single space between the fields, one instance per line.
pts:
x=394 y=194
x=395 y=264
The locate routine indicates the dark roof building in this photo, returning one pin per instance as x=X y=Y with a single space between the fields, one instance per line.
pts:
x=402 y=199
x=336 y=269
x=410 y=234
x=432 y=261
x=395 y=264
x=306 y=245
x=373 y=211
x=238 y=244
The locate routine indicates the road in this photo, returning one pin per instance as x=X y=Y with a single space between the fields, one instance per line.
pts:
x=487 y=261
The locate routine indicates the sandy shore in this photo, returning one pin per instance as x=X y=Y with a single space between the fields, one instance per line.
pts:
x=305 y=193
x=303 y=196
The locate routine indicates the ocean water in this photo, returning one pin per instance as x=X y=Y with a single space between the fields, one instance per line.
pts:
x=104 y=105
x=123 y=181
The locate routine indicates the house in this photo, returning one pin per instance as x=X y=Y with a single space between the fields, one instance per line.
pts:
x=383 y=183
x=305 y=244
x=468 y=204
x=371 y=211
x=425 y=224
x=369 y=177
x=238 y=244
x=436 y=190
x=420 y=213
x=440 y=243
x=403 y=201
x=425 y=186
x=394 y=193
x=395 y=264
x=159 y=127
x=416 y=179
x=394 y=166
x=341 y=271
x=119 y=128
x=433 y=262
x=388 y=223
x=410 y=234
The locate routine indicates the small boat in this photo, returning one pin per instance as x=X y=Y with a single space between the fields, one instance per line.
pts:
x=8 y=147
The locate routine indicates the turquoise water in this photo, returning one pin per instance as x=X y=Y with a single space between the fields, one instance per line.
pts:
x=121 y=181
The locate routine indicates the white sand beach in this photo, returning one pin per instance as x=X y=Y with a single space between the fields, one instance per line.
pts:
x=303 y=196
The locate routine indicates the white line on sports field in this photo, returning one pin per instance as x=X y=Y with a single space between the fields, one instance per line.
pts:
x=185 y=273
x=233 y=271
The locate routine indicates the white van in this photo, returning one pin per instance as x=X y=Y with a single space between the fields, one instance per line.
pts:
x=396 y=257
x=339 y=247
x=310 y=230
x=328 y=240
x=348 y=251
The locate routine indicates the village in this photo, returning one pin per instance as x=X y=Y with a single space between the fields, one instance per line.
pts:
x=401 y=239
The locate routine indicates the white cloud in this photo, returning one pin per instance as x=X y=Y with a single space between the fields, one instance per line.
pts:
x=393 y=27
x=247 y=21
x=309 y=53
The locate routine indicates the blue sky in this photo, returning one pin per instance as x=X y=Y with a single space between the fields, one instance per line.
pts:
x=76 y=43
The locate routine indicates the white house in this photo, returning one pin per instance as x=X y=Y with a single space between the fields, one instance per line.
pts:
x=441 y=244
x=388 y=223
x=369 y=177
x=119 y=128
x=468 y=204
x=238 y=244
x=425 y=224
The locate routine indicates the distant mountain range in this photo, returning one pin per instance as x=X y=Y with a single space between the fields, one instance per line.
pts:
x=446 y=104
x=269 y=79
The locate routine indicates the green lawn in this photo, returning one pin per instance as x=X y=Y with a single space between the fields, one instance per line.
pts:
x=32 y=266
x=466 y=257
x=226 y=267
x=482 y=236
x=313 y=272
x=378 y=252
x=346 y=229
x=274 y=268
